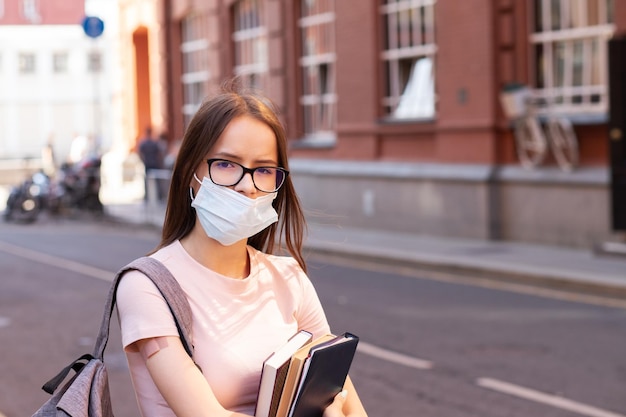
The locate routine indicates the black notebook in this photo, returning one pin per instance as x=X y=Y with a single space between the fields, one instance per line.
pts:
x=324 y=373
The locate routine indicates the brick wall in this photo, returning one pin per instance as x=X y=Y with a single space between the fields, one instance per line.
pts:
x=43 y=12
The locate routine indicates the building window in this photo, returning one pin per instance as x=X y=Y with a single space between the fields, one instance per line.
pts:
x=570 y=52
x=30 y=11
x=26 y=63
x=60 y=62
x=250 y=43
x=317 y=63
x=409 y=39
x=195 y=74
x=94 y=62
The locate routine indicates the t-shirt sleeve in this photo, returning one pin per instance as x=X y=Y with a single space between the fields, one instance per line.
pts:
x=142 y=311
x=310 y=313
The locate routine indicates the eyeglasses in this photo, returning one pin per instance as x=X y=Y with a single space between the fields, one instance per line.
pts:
x=227 y=173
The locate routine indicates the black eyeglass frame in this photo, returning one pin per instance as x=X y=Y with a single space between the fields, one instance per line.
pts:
x=245 y=171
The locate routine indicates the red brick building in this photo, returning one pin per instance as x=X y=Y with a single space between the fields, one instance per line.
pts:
x=37 y=12
x=393 y=109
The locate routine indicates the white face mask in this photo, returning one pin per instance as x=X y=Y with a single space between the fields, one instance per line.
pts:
x=228 y=216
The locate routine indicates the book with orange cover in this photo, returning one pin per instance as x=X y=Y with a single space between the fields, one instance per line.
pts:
x=293 y=374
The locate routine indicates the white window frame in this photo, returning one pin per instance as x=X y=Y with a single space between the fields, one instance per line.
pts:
x=570 y=44
x=27 y=63
x=60 y=62
x=250 y=42
x=318 y=102
x=194 y=49
x=409 y=57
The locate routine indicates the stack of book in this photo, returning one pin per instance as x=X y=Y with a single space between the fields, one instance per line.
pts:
x=303 y=377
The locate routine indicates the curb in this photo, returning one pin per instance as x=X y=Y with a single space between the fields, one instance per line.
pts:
x=536 y=276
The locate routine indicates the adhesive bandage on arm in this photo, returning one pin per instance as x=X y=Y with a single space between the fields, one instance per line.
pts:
x=152 y=346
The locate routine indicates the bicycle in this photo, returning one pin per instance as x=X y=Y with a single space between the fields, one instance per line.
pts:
x=533 y=142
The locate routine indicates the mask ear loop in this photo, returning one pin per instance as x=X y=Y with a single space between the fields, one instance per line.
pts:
x=191 y=188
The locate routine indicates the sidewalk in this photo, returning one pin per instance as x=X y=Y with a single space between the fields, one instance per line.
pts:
x=554 y=267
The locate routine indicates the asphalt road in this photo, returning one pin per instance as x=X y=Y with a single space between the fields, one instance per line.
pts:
x=428 y=347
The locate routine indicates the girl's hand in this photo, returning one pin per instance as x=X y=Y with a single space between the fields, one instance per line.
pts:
x=335 y=409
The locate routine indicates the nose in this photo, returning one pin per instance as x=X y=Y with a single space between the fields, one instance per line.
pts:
x=246 y=185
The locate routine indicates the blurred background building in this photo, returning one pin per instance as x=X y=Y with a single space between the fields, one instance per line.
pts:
x=56 y=83
x=392 y=107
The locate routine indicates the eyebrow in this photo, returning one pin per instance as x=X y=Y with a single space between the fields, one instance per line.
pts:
x=236 y=158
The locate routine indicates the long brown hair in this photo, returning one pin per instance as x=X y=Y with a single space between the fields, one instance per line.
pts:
x=203 y=131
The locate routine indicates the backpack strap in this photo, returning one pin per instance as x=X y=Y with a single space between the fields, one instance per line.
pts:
x=171 y=292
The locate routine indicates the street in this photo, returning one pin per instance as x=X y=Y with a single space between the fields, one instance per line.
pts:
x=428 y=347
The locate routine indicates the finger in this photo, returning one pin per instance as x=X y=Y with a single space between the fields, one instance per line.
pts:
x=335 y=409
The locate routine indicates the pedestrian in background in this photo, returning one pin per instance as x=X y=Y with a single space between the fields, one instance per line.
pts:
x=151 y=154
x=48 y=158
x=231 y=205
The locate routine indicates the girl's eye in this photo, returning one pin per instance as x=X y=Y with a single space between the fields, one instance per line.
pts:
x=224 y=164
x=265 y=171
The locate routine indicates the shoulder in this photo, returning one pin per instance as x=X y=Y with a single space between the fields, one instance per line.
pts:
x=282 y=268
x=284 y=263
x=136 y=283
x=136 y=290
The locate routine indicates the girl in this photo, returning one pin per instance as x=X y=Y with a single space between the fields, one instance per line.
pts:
x=231 y=199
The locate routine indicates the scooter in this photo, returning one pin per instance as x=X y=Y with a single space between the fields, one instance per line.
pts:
x=80 y=185
x=77 y=187
x=27 y=200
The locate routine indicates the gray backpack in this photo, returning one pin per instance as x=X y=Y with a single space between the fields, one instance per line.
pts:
x=86 y=394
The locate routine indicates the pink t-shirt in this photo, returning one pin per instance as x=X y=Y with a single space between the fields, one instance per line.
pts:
x=237 y=324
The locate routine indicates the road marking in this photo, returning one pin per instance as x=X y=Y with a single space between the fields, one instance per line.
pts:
x=395 y=357
x=57 y=262
x=538 y=396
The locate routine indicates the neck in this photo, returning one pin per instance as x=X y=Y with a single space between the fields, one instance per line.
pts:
x=231 y=261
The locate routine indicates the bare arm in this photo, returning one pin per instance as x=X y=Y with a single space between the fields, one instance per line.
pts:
x=178 y=379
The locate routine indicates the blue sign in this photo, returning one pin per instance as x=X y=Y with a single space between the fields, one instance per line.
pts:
x=93 y=26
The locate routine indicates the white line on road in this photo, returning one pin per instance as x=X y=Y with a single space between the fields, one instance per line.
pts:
x=395 y=357
x=57 y=262
x=538 y=396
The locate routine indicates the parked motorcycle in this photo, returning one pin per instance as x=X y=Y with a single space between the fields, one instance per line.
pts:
x=80 y=185
x=76 y=187
x=27 y=200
